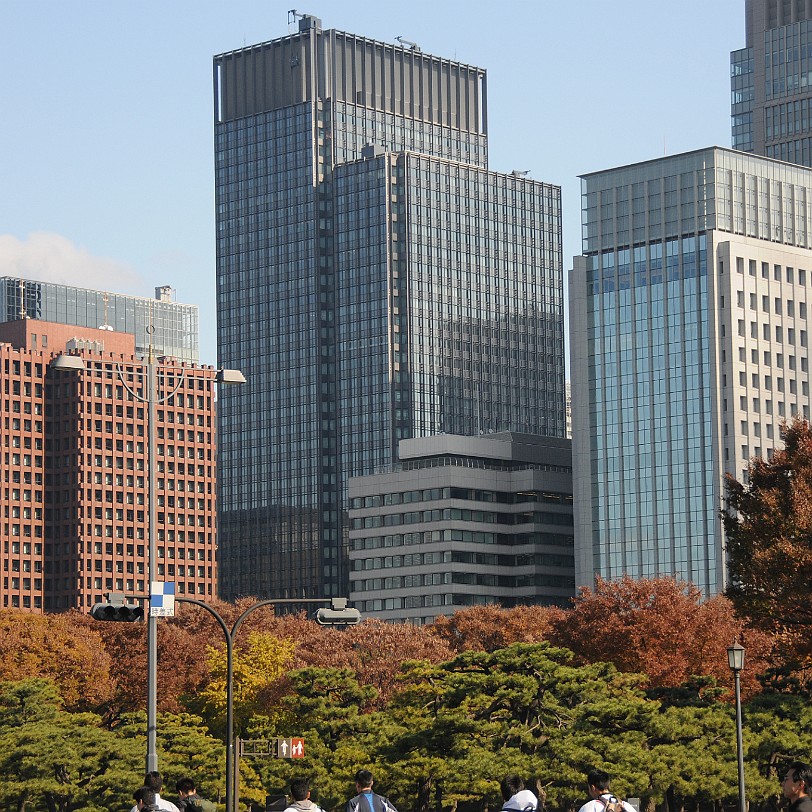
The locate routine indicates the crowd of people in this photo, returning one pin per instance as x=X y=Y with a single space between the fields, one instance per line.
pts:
x=518 y=795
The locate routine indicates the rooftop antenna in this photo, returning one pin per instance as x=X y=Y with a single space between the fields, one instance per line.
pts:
x=413 y=46
x=23 y=314
x=105 y=299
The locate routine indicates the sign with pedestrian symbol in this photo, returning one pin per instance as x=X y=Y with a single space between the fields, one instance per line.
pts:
x=290 y=748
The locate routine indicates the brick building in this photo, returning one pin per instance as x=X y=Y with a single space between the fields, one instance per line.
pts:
x=75 y=485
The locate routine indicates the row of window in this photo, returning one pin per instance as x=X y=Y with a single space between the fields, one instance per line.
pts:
x=469 y=494
x=463 y=515
x=470 y=536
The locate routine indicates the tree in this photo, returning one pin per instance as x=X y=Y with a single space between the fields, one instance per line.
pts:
x=257 y=666
x=660 y=627
x=768 y=526
x=487 y=628
x=59 y=761
x=58 y=647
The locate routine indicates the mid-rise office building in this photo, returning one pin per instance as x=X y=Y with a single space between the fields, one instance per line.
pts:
x=170 y=328
x=463 y=521
x=375 y=282
x=771 y=81
x=75 y=489
x=689 y=347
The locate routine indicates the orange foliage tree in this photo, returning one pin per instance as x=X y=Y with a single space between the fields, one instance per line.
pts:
x=660 y=627
x=61 y=648
x=488 y=628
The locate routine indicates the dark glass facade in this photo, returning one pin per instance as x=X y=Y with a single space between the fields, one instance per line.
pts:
x=174 y=330
x=771 y=82
x=375 y=282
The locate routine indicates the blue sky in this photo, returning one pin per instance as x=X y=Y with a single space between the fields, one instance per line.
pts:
x=106 y=171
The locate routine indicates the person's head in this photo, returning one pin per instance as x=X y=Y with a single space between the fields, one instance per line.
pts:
x=797 y=781
x=511 y=784
x=300 y=789
x=185 y=787
x=154 y=781
x=363 y=780
x=144 y=799
x=598 y=782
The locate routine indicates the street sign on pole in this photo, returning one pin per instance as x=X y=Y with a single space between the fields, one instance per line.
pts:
x=290 y=748
x=162 y=599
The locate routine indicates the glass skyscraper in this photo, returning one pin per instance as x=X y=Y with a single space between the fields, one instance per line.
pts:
x=771 y=81
x=172 y=328
x=375 y=282
x=689 y=347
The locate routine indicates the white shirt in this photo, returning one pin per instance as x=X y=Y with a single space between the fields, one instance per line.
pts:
x=600 y=806
x=522 y=801
x=161 y=803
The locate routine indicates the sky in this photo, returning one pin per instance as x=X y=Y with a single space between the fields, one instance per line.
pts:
x=106 y=130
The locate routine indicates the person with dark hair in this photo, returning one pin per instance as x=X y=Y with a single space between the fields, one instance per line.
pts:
x=602 y=798
x=366 y=800
x=516 y=797
x=796 y=785
x=154 y=781
x=189 y=800
x=144 y=800
x=300 y=792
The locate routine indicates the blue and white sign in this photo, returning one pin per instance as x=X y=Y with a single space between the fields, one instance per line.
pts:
x=162 y=599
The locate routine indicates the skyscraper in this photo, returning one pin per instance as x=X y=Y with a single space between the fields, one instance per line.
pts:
x=75 y=495
x=375 y=282
x=689 y=316
x=771 y=81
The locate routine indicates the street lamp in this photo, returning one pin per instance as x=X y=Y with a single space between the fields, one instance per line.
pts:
x=339 y=614
x=735 y=659
x=75 y=363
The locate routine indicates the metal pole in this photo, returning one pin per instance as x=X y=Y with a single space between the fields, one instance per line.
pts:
x=739 y=745
x=232 y=765
x=229 y=721
x=152 y=622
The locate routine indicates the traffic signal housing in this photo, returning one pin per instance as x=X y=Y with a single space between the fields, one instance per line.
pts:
x=339 y=614
x=118 y=612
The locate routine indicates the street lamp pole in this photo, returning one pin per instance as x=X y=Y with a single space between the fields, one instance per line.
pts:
x=342 y=614
x=152 y=620
x=150 y=398
x=735 y=659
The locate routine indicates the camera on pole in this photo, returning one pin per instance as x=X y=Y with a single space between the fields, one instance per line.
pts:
x=117 y=609
x=339 y=614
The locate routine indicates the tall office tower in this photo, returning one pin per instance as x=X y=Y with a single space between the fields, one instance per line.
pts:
x=75 y=484
x=172 y=328
x=375 y=282
x=689 y=347
x=771 y=81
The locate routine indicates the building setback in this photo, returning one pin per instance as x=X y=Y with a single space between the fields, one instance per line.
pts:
x=169 y=327
x=771 y=81
x=75 y=485
x=463 y=521
x=690 y=346
x=375 y=282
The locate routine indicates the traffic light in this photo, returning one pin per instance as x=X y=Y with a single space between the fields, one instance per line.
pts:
x=339 y=614
x=117 y=610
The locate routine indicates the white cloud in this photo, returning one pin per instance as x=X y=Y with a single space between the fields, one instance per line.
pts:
x=46 y=257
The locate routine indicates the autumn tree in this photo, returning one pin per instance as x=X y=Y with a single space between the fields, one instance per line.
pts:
x=768 y=527
x=58 y=647
x=661 y=627
x=487 y=628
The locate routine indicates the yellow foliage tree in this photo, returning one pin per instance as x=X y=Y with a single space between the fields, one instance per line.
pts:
x=257 y=667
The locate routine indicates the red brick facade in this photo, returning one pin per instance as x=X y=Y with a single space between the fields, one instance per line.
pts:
x=75 y=489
